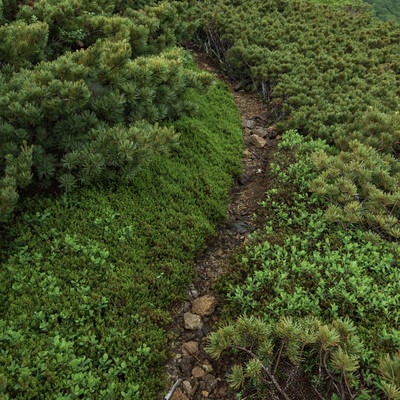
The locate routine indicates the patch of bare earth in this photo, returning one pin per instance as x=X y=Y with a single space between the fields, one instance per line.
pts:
x=193 y=374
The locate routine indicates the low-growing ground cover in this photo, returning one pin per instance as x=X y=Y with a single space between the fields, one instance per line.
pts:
x=299 y=265
x=91 y=278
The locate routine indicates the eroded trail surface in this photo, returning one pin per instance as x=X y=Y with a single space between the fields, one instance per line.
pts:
x=193 y=374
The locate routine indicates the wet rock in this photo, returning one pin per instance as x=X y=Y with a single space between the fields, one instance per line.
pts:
x=198 y=372
x=258 y=141
x=238 y=227
x=179 y=395
x=186 y=306
x=204 y=305
x=192 y=321
x=205 y=330
x=193 y=292
x=190 y=348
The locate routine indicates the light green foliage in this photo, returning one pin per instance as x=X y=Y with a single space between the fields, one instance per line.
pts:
x=300 y=264
x=363 y=186
x=92 y=278
x=331 y=351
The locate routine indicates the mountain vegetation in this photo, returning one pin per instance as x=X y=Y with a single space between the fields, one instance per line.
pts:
x=386 y=9
x=116 y=159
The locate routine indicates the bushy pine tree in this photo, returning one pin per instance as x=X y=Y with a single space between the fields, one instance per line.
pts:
x=86 y=85
x=362 y=185
x=22 y=44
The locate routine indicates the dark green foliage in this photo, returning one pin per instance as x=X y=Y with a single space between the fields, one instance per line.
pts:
x=103 y=71
x=329 y=72
x=386 y=9
x=62 y=107
x=91 y=278
x=22 y=44
x=17 y=175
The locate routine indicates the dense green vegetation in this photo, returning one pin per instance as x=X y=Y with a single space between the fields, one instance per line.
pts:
x=386 y=9
x=332 y=74
x=91 y=278
x=116 y=158
x=83 y=89
x=329 y=248
x=300 y=265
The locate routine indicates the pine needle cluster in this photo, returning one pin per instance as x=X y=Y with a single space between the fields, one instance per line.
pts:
x=274 y=352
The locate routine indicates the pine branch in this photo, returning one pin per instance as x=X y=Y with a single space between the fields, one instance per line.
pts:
x=266 y=370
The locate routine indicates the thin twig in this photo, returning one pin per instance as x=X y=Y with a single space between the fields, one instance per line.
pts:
x=171 y=392
x=318 y=393
x=266 y=370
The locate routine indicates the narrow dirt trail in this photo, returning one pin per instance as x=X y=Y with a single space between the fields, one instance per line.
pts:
x=193 y=374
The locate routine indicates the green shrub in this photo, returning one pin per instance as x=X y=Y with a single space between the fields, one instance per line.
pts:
x=330 y=72
x=274 y=352
x=93 y=277
x=77 y=79
x=300 y=264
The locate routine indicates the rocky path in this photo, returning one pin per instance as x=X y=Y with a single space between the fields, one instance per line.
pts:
x=193 y=374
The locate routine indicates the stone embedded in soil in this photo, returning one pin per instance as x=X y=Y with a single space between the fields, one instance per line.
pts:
x=187 y=386
x=204 y=393
x=190 y=348
x=198 y=372
x=207 y=366
x=192 y=321
x=262 y=132
x=258 y=141
x=238 y=227
x=179 y=395
x=186 y=365
x=204 y=305
x=246 y=153
x=249 y=123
